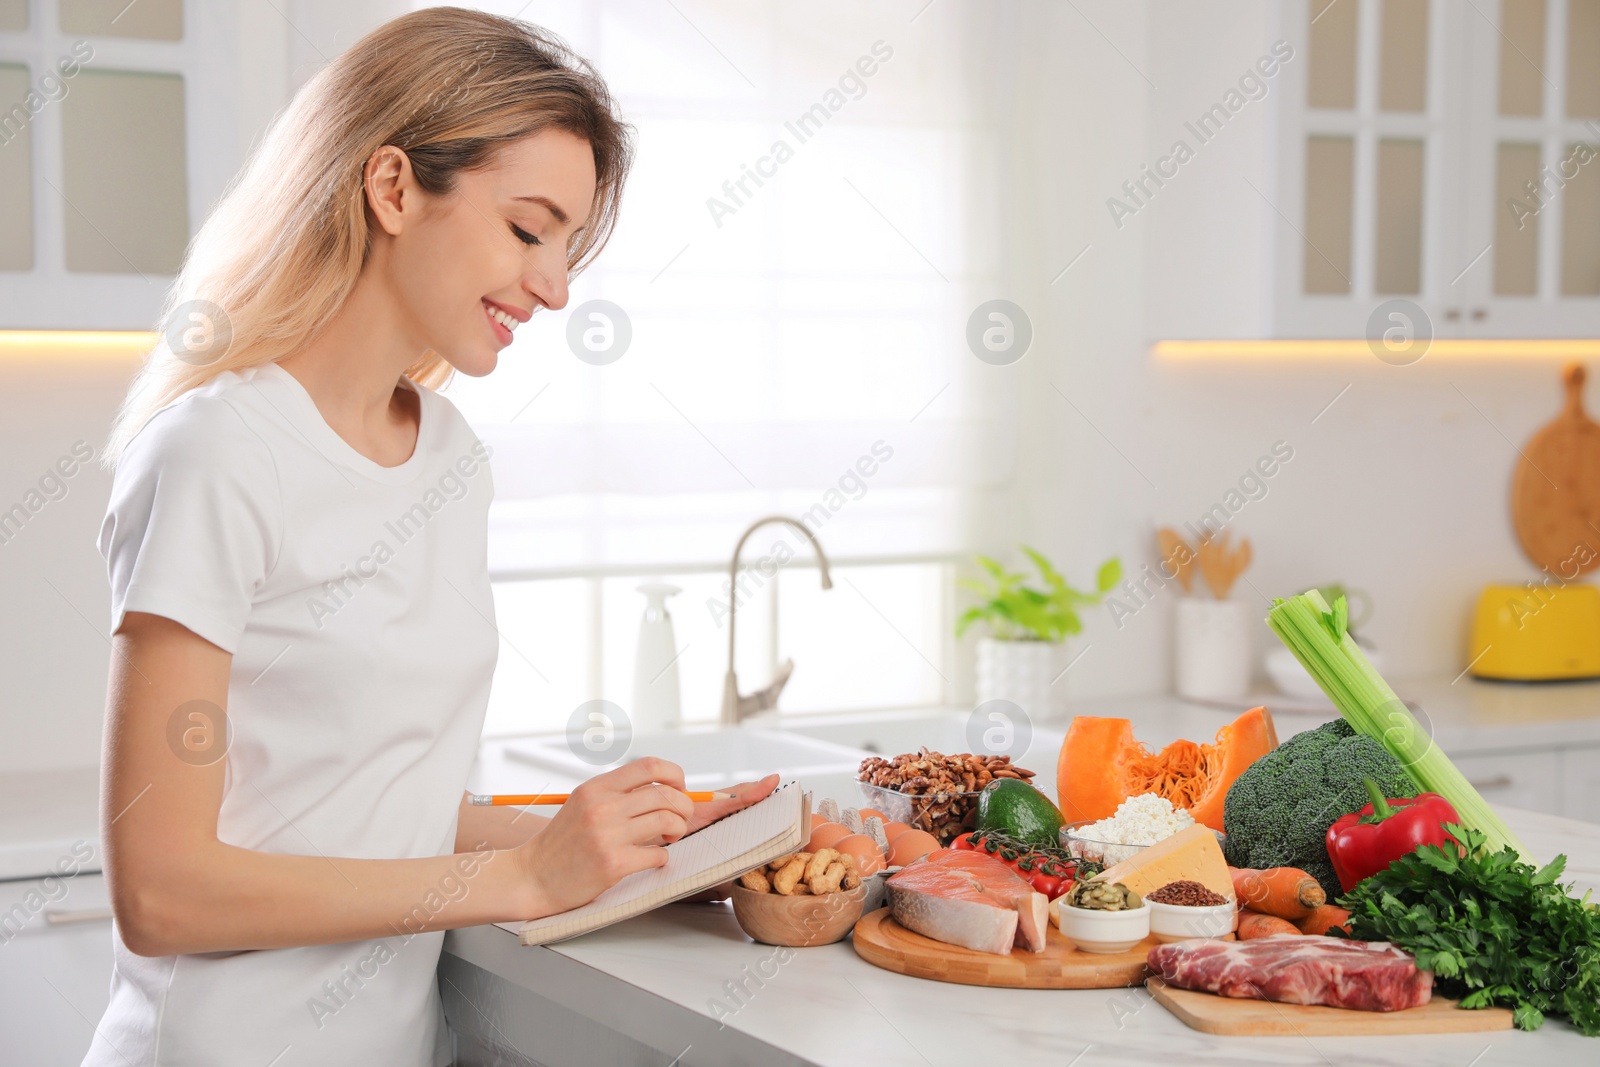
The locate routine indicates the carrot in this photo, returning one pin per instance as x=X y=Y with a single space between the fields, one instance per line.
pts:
x=1323 y=917
x=1253 y=924
x=1287 y=892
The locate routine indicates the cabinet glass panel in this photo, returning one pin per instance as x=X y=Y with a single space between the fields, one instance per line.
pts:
x=1331 y=80
x=1522 y=57
x=13 y=15
x=1516 y=223
x=125 y=183
x=1580 y=226
x=1330 y=172
x=16 y=173
x=151 y=20
x=1583 y=69
x=1403 y=59
x=1398 y=242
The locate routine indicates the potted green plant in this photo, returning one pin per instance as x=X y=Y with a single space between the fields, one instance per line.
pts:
x=1028 y=624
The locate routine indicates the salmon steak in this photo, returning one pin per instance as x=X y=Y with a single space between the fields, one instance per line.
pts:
x=969 y=899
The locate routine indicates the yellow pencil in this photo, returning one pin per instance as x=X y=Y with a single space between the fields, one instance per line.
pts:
x=530 y=799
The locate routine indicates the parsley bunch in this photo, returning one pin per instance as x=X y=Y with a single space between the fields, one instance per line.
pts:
x=1491 y=929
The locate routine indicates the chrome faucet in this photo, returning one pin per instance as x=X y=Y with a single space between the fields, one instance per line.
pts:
x=734 y=706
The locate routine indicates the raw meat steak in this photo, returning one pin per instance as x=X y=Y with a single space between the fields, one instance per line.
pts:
x=1364 y=975
x=969 y=899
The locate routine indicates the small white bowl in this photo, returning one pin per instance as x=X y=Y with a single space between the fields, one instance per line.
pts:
x=1093 y=930
x=1180 y=922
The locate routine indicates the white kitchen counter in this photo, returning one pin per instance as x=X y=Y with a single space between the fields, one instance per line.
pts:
x=43 y=815
x=646 y=992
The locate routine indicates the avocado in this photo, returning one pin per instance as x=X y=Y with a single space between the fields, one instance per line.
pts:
x=1018 y=810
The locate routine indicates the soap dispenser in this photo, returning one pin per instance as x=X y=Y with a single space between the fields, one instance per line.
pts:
x=656 y=698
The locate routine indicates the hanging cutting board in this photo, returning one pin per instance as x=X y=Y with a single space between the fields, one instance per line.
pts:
x=1234 y=1017
x=1555 y=493
x=881 y=941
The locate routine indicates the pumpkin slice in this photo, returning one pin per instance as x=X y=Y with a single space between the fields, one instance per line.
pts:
x=1102 y=765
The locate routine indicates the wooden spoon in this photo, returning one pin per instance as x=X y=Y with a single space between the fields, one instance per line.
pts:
x=1221 y=566
x=1178 y=557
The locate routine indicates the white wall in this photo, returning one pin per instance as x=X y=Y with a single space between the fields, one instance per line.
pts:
x=1401 y=488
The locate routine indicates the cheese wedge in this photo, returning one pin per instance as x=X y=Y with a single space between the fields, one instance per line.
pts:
x=1188 y=855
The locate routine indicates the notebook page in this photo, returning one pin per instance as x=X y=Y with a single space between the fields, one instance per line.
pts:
x=716 y=853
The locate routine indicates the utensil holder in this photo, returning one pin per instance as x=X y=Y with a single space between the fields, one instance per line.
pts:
x=1213 y=648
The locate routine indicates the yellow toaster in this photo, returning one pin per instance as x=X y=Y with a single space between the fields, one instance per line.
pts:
x=1534 y=633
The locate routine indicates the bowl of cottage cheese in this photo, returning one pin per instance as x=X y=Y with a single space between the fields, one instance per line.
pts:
x=1140 y=822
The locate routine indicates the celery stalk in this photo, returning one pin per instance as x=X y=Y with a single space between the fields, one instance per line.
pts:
x=1317 y=636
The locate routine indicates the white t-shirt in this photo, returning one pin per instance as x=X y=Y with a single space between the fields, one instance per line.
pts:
x=355 y=600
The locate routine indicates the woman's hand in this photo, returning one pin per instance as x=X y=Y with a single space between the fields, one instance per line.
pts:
x=744 y=795
x=613 y=826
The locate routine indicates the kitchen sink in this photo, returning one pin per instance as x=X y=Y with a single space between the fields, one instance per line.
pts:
x=709 y=756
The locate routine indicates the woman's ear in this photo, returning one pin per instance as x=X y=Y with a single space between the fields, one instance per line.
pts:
x=390 y=185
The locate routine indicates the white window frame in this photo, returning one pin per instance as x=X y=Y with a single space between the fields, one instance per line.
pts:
x=51 y=297
x=594 y=624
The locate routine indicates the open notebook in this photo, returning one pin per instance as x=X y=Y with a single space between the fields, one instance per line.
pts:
x=726 y=849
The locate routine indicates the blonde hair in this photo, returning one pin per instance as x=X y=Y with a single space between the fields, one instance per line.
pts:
x=282 y=249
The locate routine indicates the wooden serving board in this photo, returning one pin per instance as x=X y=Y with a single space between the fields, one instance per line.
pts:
x=1555 y=492
x=1233 y=1017
x=881 y=941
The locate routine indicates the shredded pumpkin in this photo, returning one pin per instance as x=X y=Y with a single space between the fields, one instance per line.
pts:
x=1101 y=765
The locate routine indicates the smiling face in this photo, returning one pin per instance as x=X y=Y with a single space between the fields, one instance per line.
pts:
x=490 y=252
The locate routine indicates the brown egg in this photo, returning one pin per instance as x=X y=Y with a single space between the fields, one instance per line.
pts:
x=911 y=846
x=826 y=835
x=892 y=830
x=873 y=811
x=864 y=851
x=817 y=820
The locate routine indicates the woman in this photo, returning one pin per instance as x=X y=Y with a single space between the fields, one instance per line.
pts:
x=296 y=541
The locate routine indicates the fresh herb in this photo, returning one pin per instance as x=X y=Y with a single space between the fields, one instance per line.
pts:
x=1318 y=636
x=1016 y=612
x=1491 y=928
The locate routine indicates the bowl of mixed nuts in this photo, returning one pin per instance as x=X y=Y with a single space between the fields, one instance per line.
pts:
x=932 y=791
x=800 y=900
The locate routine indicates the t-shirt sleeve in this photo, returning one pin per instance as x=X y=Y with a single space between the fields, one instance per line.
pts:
x=194 y=522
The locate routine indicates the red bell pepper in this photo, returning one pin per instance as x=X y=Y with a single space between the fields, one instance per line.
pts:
x=1365 y=842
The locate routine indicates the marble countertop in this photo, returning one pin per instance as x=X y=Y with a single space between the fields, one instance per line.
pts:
x=685 y=982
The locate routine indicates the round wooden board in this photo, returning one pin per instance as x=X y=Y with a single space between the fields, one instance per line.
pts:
x=881 y=941
x=1555 y=492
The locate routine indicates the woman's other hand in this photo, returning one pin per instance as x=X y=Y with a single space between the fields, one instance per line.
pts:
x=614 y=825
x=744 y=795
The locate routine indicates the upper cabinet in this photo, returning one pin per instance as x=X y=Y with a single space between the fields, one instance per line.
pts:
x=1446 y=154
x=109 y=158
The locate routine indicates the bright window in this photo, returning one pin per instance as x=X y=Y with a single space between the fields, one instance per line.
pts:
x=811 y=222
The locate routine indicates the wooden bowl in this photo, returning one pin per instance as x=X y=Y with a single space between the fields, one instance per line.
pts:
x=798 y=922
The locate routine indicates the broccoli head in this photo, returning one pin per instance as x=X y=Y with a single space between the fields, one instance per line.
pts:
x=1278 y=811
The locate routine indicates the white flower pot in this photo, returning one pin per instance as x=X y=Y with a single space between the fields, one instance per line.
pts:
x=1213 y=648
x=1019 y=672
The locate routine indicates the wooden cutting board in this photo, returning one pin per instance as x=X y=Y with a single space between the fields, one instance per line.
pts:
x=1555 y=492
x=881 y=941
x=1212 y=1014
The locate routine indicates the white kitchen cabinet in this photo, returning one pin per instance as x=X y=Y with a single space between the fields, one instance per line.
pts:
x=1530 y=780
x=55 y=968
x=1441 y=153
